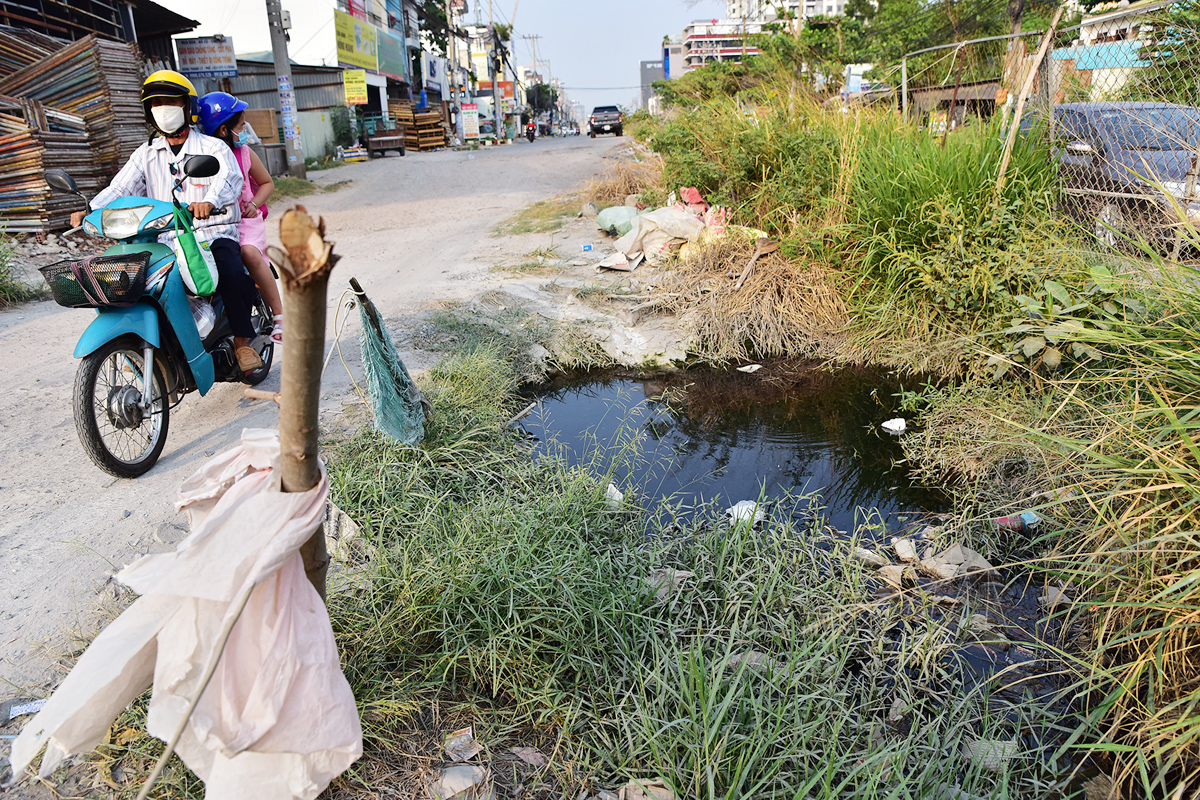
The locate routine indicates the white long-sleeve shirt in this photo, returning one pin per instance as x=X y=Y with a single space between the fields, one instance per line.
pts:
x=148 y=174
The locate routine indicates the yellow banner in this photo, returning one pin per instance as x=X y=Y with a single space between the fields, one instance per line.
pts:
x=355 y=41
x=355 y=81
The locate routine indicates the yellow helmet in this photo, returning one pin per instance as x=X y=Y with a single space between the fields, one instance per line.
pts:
x=169 y=83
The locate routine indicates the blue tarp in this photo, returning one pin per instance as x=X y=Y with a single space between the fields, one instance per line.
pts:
x=1106 y=55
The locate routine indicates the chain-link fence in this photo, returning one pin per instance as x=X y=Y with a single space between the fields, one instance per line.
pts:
x=1118 y=96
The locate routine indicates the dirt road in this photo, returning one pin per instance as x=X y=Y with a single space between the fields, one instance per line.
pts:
x=413 y=230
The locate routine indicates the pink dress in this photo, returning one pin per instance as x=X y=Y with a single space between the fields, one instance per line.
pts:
x=251 y=230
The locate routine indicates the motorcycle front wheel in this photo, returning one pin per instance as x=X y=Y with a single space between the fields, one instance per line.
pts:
x=121 y=437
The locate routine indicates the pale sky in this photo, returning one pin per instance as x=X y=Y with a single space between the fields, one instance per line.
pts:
x=593 y=46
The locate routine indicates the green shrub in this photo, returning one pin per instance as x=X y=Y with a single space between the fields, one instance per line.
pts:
x=13 y=290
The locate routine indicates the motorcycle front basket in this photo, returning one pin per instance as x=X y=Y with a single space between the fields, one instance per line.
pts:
x=98 y=281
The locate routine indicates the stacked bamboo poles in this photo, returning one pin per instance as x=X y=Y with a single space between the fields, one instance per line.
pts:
x=34 y=138
x=97 y=80
x=20 y=48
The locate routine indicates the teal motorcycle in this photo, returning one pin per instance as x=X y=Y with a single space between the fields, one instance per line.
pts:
x=151 y=342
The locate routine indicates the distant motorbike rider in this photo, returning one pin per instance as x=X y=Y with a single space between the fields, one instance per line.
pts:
x=170 y=105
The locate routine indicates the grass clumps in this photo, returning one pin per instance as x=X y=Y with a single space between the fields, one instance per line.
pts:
x=544 y=216
x=642 y=175
x=786 y=307
x=13 y=290
x=506 y=594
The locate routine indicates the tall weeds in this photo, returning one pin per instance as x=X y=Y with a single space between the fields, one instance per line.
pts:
x=935 y=271
x=505 y=594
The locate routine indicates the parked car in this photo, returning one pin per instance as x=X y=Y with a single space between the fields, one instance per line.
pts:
x=1124 y=168
x=606 y=119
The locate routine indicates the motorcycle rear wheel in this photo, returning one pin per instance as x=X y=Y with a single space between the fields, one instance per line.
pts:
x=117 y=434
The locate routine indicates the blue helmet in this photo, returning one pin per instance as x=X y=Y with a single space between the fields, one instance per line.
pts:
x=217 y=108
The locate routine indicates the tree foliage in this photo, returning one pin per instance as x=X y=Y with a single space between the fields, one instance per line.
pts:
x=541 y=97
x=1173 y=56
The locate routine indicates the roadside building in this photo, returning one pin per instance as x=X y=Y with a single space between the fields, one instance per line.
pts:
x=1100 y=63
x=651 y=71
x=711 y=41
x=319 y=90
x=382 y=38
x=673 y=66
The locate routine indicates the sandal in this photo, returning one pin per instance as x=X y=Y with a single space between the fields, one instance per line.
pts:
x=277 y=331
x=247 y=359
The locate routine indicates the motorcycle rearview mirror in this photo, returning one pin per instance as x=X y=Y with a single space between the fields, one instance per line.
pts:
x=61 y=181
x=201 y=167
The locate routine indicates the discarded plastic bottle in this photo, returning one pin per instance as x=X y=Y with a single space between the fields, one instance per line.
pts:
x=1026 y=522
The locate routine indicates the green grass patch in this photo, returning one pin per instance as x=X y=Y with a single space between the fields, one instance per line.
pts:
x=544 y=216
x=506 y=594
x=13 y=290
x=287 y=186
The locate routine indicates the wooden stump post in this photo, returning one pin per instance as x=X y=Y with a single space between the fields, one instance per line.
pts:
x=304 y=265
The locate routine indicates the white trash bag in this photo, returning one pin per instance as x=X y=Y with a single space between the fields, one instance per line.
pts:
x=278 y=720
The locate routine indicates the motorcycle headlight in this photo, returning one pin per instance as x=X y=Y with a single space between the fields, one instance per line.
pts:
x=90 y=229
x=158 y=224
x=121 y=223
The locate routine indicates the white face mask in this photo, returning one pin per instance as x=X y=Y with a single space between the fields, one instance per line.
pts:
x=168 y=119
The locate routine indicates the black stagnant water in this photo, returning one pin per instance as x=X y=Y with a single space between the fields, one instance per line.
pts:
x=721 y=437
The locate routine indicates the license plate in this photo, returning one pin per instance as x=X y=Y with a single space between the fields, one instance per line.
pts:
x=608 y=127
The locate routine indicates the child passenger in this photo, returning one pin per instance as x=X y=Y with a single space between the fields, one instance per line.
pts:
x=222 y=116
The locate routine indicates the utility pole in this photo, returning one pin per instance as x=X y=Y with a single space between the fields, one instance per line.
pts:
x=452 y=57
x=287 y=95
x=496 y=73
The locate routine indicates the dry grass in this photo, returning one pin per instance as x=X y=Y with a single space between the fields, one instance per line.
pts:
x=785 y=308
x=615 y=183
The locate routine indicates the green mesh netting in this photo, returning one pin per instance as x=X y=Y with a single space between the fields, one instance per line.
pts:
x=398 y=404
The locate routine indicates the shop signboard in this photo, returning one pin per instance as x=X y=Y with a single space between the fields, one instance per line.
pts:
x=355 y=82
x=470 y=121
x=390 y=51
x=356 y=46
x=506 y=88
x=207 y=57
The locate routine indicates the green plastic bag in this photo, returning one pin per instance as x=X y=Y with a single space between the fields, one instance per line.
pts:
x=197 y=266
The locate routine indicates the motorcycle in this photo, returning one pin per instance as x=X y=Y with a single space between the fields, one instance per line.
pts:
x=530 y=131
x=151 y=342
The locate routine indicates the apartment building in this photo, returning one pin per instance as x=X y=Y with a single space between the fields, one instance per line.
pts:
x=708 y=41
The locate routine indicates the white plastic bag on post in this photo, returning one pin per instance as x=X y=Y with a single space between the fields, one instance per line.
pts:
x=278 y=721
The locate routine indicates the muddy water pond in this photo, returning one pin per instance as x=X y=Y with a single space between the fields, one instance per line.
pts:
x=686 y=439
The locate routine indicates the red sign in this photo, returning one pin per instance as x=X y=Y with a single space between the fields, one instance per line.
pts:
x=506 y=88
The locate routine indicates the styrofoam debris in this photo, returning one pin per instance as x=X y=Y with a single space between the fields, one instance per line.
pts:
x=869 y=557
x=665 y=582
x=990 y=754
x=893 y=574
x=750 y=368
x=646 y=790
x=895 y=426
x=905 y=550
x=614 y=496
x=745 y=511
x=462 y=781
